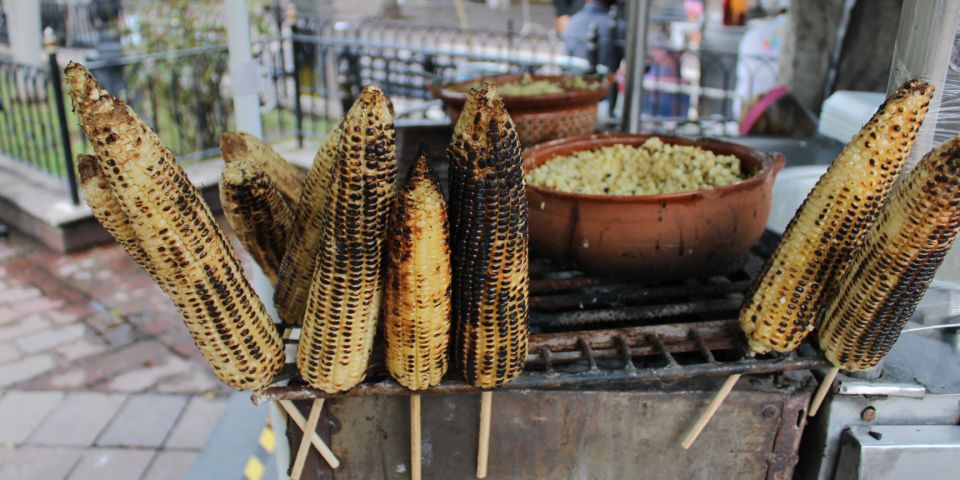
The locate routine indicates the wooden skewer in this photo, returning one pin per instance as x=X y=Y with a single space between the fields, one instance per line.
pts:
x=318 y=443
x=486 y=404
x=309 y=428
x=711 y=409
x=822 y=390
x=415 y=436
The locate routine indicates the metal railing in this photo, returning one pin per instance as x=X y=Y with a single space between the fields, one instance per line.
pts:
x=313 y=70
x=33 y=122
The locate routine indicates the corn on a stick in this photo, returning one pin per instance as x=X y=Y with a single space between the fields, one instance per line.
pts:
x=888 y=277
x=789 y=295
x=255 y=208
x=240 y=146
x=96 y=191
x=195 y=264
x=828 y=229
x=488 y=210
x=299 y=261
x=344 y=301
x=416 y=313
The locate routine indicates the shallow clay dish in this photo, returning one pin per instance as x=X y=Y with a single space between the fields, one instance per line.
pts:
x=538 y=118
x=651 y=237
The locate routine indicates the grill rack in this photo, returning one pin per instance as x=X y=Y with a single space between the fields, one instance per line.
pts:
x=590 y=332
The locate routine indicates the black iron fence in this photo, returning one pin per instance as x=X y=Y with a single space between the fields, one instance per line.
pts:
x=33 y=125
x=313 y=70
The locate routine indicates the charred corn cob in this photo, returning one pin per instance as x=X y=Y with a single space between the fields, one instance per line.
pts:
x=488 y=217
x=344 y=300
x=299 y=261
x=887 y=278
x=416 y=313
x=255 y=209
x=194 y=262
x=240 y=146
x=788 y=297
x=96 y=191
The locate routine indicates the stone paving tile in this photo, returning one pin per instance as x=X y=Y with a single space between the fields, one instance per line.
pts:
x=22 y=412
x=23 y=326
x=199 y=380
x=92 y=371
x=34 y=305
x=144 y=421
x=45 y=297
x=81 y=348
x=11 y=295
x=197 y=422
x=8 y=353
x=145 y=378
x=25 y=368
x=110 y=463
x=7 y=315
x=169 y=465
x=78 y=420
x=29 y=463
x=47 y=339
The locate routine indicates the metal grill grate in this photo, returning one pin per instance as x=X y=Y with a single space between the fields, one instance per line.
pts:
x=590 y=332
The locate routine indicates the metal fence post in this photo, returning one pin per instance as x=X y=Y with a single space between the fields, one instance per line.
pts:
x=297 y=108
x=57 y=81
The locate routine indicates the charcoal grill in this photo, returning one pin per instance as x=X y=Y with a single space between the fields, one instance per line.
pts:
x=590 y=332
x=631 y=349
x=616 y=373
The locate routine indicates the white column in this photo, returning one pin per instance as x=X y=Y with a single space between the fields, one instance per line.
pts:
x=244 y=71
x=638 y=16
x=924 y=44
x=25 y=30
x=245 y=82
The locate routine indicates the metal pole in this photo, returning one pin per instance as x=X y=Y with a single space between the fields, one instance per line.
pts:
x=924 y=44
x=57 y=82
x=638 y=14
x=244 y=71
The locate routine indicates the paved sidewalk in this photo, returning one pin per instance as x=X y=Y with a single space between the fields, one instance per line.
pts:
x=98 y=375
x=93 y=435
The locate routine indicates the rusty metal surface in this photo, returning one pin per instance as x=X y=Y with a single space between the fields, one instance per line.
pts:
x=592 y=359
x=784 y=453
x=595 y=435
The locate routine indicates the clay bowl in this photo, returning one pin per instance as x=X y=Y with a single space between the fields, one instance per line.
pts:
x=538 y=118
x=651 y=237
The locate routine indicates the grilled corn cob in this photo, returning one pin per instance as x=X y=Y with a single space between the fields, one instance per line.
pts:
x=254 y=207
x=488 y=216
x=788 y=297
x=416 y=313
x=299 y=261
x=240 y=146
x=195 y=264
x=344 y=301
x=887 y=278
x=106 y=209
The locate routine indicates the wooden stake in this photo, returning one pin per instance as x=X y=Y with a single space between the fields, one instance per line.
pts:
x=415 y=436
x=711 y=409
x=309 y=428
x=318 y=443
x=822 y=390
x=486 y=404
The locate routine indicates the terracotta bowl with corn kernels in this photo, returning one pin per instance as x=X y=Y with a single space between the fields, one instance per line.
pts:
x=663 y=237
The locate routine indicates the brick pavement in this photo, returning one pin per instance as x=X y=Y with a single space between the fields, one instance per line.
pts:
x=98 y=376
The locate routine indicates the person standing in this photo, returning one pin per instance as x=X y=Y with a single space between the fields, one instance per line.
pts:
x=610 y=30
